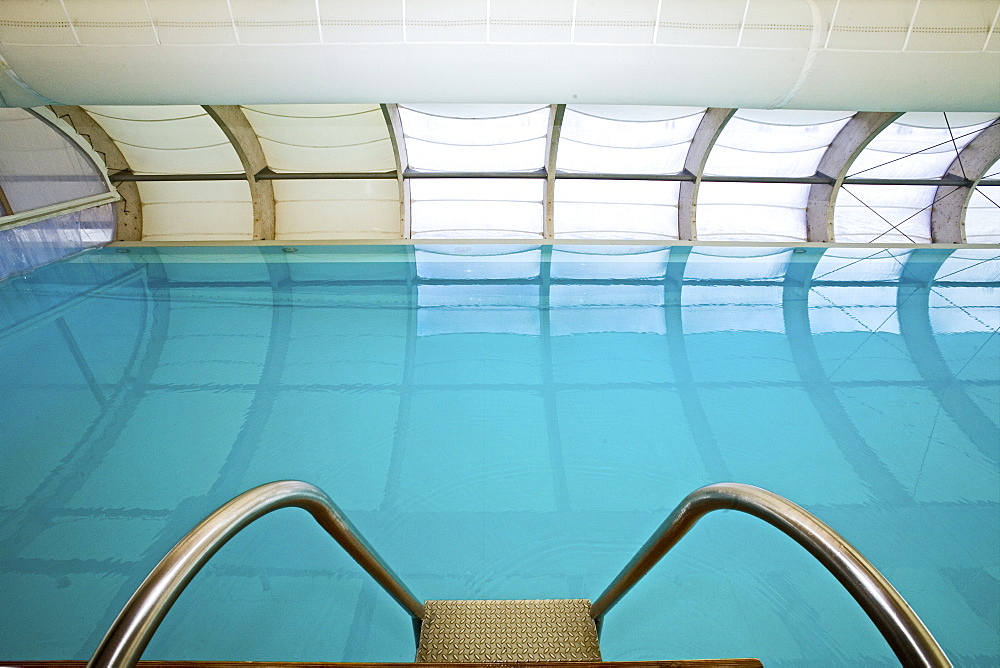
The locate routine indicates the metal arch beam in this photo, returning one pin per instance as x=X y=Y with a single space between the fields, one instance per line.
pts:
x=951 y=202
x=556 y=113
x=128 y=225
x=708 y=132
x=395 y=127
x=234 y=124
x=843 y=150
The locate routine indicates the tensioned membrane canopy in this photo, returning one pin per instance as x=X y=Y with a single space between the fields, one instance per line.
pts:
x=808 y=54
x=564 y=172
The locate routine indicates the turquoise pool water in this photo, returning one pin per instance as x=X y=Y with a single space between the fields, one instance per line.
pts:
x=501 y=422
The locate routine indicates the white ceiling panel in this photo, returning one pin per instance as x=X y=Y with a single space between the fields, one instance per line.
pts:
x=111 y=21
x=622 y=22
x=531 y=21
x=370 y=21
x=266 y=22
x=193 y=21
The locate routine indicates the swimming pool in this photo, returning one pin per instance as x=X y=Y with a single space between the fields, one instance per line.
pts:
x=501 y=422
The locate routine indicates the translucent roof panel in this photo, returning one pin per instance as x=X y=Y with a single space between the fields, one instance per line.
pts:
x=323 y=137
x=469 y=208
x=337 y=209
x=982 y=218
x=775 y=142
x=884 y=214
x=588 y=209
x=752 y=211
x=39 y=166
x=919 y=145
x=182 y=211
x=626 y=140
x=475 y=138
x=176 y=139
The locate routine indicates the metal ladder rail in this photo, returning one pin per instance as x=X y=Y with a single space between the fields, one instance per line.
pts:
x=135 y=625
x=906 y=634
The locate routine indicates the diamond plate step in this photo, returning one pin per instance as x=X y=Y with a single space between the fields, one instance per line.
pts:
x=492 y=631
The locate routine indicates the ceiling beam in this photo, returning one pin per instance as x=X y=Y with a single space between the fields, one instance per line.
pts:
x=556 y=113
x=863 y=127
x=241 y=135
x=395 y=127
x=951 y=202
x=704 y=139
x=128 y=211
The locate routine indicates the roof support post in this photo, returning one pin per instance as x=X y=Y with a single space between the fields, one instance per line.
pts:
x=128 y=211
x=845 y=147
x=951 y=202
x=241 y=135
x=395 y=126
x=701 y=145
x=556 y=113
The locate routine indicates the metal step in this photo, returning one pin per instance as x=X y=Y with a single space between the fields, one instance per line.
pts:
x=508 y=631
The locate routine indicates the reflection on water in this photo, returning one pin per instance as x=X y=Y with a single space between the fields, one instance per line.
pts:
x=501 y=422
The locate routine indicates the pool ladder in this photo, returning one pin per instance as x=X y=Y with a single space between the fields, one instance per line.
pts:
x=514 y=631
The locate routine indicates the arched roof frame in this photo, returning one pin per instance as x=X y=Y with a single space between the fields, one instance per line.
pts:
x=704 y=139
x=556 y=113
x=951 y=201
x=128 y=224
x=234 y=124
x=845 y=147
x=395 y=126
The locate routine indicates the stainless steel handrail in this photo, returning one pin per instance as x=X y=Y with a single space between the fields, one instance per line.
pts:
x=128 y=636
x=899 y=624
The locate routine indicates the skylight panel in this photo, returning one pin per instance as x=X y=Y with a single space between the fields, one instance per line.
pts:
x=883 y=214
x=174 y=139
x=774 y=142
x=466 y=138
x=752 y=212
x=982 y=218
x=476 y=208
x=605 y=209
x=337 y=209
x=626 y=140
x=323 y=137
x=919 y=145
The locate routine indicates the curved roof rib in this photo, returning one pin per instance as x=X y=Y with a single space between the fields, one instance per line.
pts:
x=708 y=132
x=556 y=113
x=951 y=202
x=395 y=127
x=849 y=142
x=234 y=124
x=128 y=217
